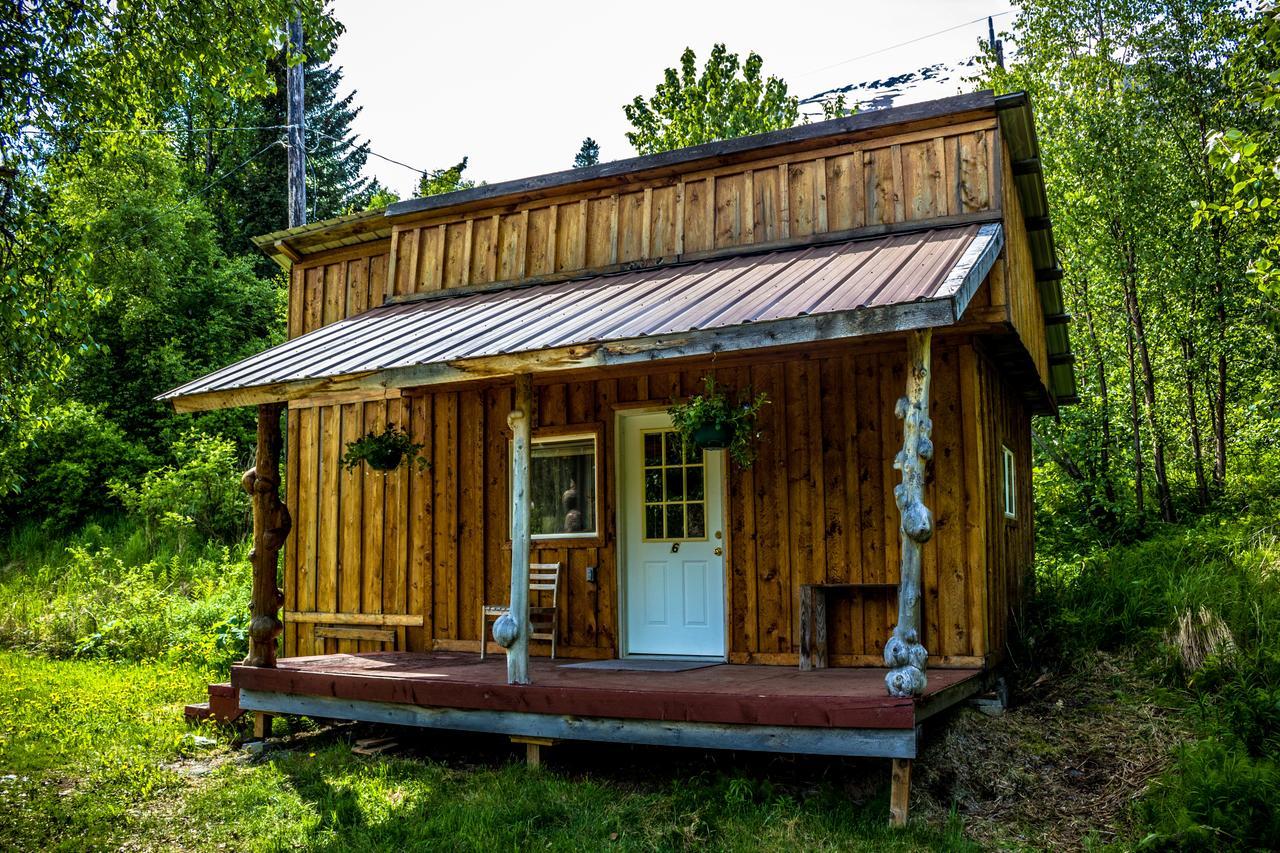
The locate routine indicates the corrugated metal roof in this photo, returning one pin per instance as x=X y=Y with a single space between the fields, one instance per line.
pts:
x=844 y=285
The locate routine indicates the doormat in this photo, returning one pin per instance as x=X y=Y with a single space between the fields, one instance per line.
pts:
x=641 y=665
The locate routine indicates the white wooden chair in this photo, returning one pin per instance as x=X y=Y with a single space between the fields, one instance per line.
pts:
x=543 y=578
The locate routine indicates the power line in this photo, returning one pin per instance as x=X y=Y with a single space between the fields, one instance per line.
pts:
x=170 y=130
x=370 y=151
x=900 y=44
x=31 y=131
x=198 y=193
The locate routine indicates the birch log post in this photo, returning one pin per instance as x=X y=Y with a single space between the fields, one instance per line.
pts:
x=271 y=525
x=903 y=653
x=511 y=629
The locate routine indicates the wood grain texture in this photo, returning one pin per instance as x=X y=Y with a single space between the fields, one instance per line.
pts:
x=816 y=507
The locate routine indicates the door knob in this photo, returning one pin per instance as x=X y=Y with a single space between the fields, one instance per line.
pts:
x=718 y=551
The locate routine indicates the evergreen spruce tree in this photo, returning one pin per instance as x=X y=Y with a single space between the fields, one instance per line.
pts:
x=254 y=200
x=588 y=154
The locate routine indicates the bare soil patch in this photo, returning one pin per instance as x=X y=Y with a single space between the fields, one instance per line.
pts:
x=1060 y=768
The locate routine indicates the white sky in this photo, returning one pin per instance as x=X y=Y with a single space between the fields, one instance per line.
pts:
x=516 y=86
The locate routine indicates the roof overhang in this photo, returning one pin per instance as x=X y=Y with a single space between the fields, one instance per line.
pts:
x=807 y=295
x=1017 y=124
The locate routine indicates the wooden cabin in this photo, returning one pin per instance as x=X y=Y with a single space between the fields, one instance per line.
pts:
x=530 y=336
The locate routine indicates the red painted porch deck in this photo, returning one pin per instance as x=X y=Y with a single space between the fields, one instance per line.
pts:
x=845 y=698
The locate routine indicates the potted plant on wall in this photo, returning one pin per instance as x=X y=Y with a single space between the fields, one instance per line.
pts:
x=384 y=451
x=715 y=420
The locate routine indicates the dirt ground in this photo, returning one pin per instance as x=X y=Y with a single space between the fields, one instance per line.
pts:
x=1059 y=769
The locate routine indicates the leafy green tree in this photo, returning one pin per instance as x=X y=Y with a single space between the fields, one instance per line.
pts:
x=74 y=451
x=379 y=197
x=1248 y=155
x=73 y=70
x=177 y=305
x=1168 y=343
x=440 y=181
x=588 y=154
x=201 y=492
x=727 y=99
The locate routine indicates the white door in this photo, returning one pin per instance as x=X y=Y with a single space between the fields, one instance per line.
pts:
x=672 y=528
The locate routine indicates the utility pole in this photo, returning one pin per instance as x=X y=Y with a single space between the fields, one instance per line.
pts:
x=296 y=117
x=997 y=46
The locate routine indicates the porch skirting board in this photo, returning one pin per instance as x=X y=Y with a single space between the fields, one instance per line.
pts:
x=861 y=743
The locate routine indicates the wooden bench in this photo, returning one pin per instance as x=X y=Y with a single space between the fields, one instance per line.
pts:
x=813 y=616
x=355 y=632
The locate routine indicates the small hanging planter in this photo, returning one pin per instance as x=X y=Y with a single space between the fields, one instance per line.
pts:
x=384 y=451
x=713 y=436
x=714 y=421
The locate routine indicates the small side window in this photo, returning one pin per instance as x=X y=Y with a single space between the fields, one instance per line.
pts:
x=1010 y=484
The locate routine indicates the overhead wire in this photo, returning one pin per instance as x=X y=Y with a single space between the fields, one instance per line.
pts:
x=888 y=48
x=171 y=130
x=371 y=151
x=197 y=194
x=35 y=131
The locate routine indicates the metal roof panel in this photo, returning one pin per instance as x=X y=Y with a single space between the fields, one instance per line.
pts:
x=836 y=279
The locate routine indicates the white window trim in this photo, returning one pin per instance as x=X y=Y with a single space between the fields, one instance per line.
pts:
x=534 y=441
x=1010 y=482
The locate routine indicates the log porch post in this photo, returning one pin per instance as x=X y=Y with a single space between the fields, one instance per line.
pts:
x=903 y=653
x=271 y=525
x=511 y=630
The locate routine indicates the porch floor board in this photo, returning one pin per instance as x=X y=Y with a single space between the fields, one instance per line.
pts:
x=753 y=695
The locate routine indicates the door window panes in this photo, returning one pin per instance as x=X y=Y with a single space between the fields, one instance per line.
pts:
x=674 y=494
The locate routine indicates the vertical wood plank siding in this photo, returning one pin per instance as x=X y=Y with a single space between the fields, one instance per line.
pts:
x=909 y=177
x=1025 y=309
x=1010 y=542
x=817 y=506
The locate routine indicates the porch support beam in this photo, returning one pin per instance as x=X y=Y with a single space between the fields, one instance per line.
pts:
x=903 y=653
x=271 y=526
x=511 y=630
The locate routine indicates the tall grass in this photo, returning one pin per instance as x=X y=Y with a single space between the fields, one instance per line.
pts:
x=1224 y=789
x=111 y=591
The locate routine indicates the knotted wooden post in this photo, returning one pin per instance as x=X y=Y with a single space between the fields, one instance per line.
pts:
x=271 y=525
x=903 y=654
x=511 y=629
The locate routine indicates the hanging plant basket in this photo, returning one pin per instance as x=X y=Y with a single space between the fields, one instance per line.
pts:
x=383 y=451
x=713 y=436
x=384 y=458
x=713 y=420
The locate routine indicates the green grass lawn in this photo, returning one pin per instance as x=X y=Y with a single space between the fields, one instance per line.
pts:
x=100 y=758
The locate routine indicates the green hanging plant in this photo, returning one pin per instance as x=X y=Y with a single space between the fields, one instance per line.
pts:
x=713 y=420
x=384 y=451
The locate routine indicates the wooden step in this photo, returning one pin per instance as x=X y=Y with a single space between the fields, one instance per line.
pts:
x=223 y=705
x=197 y=711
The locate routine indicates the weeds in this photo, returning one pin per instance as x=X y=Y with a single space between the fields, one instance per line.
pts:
x=1199 y=607
x=112 y=592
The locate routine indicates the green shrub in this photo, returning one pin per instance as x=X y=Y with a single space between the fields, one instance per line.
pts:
x=1219 y=797
x=68 y=459
x=109 y=595
x=1223 y=791
x=201 y=494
